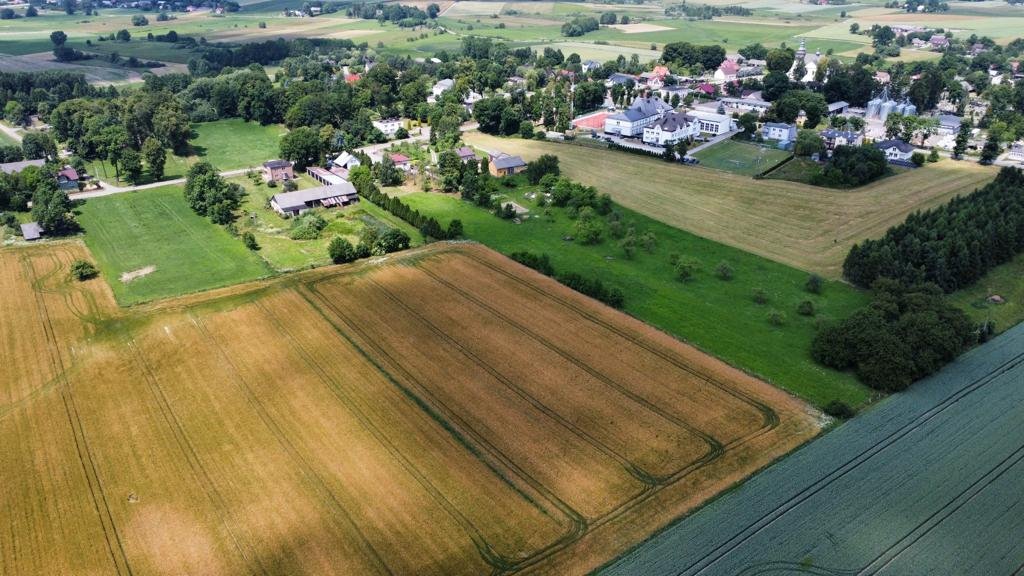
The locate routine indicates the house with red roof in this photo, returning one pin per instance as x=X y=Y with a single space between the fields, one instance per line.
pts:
x=402 y=162
x=708 y=89
x=67 y=178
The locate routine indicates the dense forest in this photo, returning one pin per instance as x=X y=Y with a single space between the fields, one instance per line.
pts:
x=953 y=245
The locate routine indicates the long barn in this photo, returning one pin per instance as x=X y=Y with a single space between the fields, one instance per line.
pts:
x=295 y=203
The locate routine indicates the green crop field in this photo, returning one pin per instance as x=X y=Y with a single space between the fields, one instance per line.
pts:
x=717 y=316
x=807 y=227
x=155 y=228
x=927 y=482
x=740 y=157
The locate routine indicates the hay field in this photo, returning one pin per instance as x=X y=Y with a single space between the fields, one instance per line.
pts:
x=803 y=226
x=427 y=413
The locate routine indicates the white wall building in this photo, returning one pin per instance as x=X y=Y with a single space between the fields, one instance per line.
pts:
x=711 y=123
x=632 y=121
x=388 y=126
x=671 y=128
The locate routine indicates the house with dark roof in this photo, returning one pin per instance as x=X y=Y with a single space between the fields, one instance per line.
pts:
x=590 y=65
x=643 y=112
x=620 y=78
x=896 y=150
x=839 y=107
x=31 y=231
x=15 y=167
x=939 y=42
x=1016 y=152
x=277 y=170
x=833 y=138
x=465 y=153
x=671 y=128
x=295 y=203
x=948 y=123
x=505 y=165
x=778 y=131
x=67 y=179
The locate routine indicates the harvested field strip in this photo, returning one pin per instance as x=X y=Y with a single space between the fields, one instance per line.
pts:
x=21 y=371
x=592 y=481
x=677 y=392
x=468 y=488
x=662 y=448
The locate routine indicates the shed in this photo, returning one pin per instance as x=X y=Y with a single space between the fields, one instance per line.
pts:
x=31 y=231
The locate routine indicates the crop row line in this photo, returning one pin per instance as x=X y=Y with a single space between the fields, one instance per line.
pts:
x=851 y=464
x=448 y=418
x=89 y=469
x=315 y=480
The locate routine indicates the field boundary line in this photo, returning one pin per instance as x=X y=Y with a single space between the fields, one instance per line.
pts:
x=316 y=482
x=201 y=475
x=845 y=468
x=85 y=457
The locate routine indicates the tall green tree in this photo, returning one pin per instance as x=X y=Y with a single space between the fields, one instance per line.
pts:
x=155 y=155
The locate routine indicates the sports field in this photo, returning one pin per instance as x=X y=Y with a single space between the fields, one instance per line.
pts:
x=740 y=157
x=445 y=411
x=928 y=482
x=803 y=226
x=164 y=247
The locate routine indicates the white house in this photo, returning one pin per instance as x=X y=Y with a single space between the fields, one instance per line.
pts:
x=1016 y=152
x=641 y=113
x=440 y=87
x=726 y=72
x=388 y=126
x=346 y=160
x=711 y=123
x=778 y=131
x=754 y=105
x=671 y=128
x=896 y=150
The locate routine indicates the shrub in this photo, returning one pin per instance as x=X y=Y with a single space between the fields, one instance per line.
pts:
x=760 y=296
x=308 y=227
x=724 y=271
x=918 y=159
x=82 y=270
x=539 y=262
x=776 y=318
x=686 y=268
x=805 y=308
x=839 y=409
x=341 y=250
x=250 y=241
x=814 y=284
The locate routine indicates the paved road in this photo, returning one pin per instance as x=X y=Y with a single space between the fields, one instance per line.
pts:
x=930 y=481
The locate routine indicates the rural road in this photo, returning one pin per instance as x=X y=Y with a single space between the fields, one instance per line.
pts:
x=109 y=189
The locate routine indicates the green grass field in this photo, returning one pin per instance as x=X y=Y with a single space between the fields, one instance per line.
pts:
x=6 y=140
x=796 y=170
x=130 y=232
x=740 y=157
x=283 y=253
x=1006 y=281
x=718 y=316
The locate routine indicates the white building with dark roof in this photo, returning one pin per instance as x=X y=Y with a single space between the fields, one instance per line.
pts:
x=896 y=150
x=641 y=113
x=671 y=128
x=778 y=131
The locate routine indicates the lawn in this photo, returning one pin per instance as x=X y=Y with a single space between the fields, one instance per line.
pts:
x=716 y=315
x=130 y=232
x=1006 y=281
x=740 y=157
x=272 y=231
x=798 y=169
x=227 y=144
x=806 y=227
x=6 y=140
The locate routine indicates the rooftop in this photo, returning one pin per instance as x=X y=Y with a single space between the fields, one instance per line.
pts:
x=31 y=231
x=302 y=198
x=502 y=161
x=276 y=164
x=15 y=167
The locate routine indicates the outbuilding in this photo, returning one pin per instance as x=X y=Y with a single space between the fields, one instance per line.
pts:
x=295 y=203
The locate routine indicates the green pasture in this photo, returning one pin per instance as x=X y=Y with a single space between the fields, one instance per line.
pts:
x=1006 y=281
x=740 y=157
x=719 y=316
x=130 y=232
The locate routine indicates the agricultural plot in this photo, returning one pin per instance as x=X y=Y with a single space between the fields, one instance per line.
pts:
x=376 y=418
x=928 y=482
x=150 y=245
x=740 y=157
x=800 y=225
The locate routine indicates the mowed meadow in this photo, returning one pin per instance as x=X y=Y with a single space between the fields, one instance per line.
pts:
x=445 y=411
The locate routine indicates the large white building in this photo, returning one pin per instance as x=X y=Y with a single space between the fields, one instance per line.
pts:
x=671 y=128
x=641 y=113
x=388 y=126
x=712 y=123
x=1017 y=152
x=810 y=63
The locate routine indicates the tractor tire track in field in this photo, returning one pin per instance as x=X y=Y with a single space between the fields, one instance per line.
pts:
x=752 y=529
x=771 y=418
x=89 y=469
x=317 y=483
x=486 y=551
x=643 y=476
x=199 y=472
x=715 y=447
x=450 y=421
